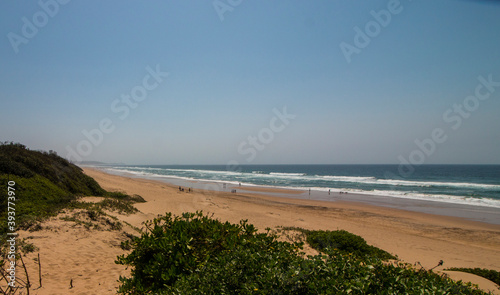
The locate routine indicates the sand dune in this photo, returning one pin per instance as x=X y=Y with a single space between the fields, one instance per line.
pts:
x=72 y=255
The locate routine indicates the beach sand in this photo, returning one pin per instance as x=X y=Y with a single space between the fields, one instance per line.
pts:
x=88 y=257
x=71 y=255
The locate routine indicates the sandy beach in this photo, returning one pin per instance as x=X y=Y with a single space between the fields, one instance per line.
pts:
x=71 y=253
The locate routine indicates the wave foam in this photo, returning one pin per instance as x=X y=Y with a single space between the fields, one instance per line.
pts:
x=286 y=174
x=302 y=181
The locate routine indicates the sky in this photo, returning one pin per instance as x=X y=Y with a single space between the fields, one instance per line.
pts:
x=253 y=82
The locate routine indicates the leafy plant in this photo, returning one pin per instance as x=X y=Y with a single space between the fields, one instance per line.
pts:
x=195 y=254
x=177 y=246
x=338 y=241
x=345 y=242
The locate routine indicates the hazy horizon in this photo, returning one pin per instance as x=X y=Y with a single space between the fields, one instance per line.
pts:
x=253 y=82
x=90 y=163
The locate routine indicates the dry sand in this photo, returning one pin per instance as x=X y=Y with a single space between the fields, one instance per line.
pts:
x=87 y=257
x=71 y=255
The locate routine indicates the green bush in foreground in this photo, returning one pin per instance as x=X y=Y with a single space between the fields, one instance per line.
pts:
x=194 y=254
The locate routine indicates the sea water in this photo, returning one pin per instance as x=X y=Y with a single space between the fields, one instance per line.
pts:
x=460 y=184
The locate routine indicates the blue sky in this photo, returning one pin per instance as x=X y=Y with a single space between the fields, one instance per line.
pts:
x=233 y=65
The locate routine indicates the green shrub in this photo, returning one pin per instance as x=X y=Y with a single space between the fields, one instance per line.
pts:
x=178 y=246
x=345 y=242
x=194 y=254
x=339 y=241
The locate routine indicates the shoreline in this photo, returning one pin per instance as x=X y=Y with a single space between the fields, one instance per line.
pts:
x=479 y=213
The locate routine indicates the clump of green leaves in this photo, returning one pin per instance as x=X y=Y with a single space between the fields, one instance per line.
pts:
x=175 y=247
x=195 y=254
x=339 y=241
x=345 y=243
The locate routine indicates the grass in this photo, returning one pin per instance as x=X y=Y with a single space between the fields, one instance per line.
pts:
x=117 y=205
x=27 y=247
x=94 y=219
x=95 y=215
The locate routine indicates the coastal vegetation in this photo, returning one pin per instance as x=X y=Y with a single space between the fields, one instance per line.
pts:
x=197 y=254
x=45 y=184
x=342 y=241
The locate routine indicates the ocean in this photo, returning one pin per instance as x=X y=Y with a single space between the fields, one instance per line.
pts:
x=477 y=185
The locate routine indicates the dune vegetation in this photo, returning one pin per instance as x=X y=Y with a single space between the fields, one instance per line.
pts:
x=45 y=183
x=196 y=254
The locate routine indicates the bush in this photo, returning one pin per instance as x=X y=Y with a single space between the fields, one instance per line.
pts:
x=178 y=246
x=345 y=242
x=194 y=254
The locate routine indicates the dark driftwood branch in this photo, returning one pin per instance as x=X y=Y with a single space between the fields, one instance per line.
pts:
x=28 y=285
